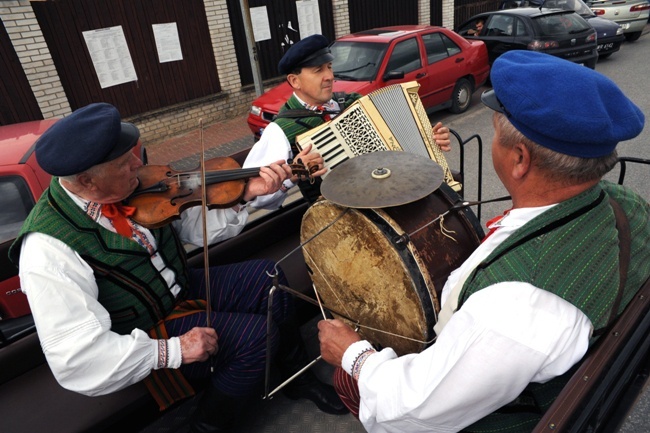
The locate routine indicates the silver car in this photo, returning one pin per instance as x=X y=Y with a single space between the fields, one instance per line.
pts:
x=632 y=15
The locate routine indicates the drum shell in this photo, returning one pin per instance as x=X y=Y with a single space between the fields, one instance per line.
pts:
x=360 y=271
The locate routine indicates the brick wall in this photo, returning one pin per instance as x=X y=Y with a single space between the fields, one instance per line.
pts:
x=424 y=12
x=155 y=126
x=448 y=13
x=29 y=44
x=341 y=17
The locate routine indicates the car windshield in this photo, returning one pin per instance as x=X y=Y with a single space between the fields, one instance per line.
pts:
x=561 y=24
x=357 y=61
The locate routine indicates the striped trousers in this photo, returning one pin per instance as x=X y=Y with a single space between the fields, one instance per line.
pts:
x=239 y=298
x=348 y=390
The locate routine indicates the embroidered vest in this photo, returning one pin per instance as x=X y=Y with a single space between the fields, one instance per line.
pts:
x=130 y=287
x=572 y=251
x=293 y=127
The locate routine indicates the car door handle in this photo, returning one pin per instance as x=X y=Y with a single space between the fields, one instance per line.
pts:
x=420 y=75
x=460 y=59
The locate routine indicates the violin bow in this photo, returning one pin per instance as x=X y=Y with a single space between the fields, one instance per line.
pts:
x=204 y=220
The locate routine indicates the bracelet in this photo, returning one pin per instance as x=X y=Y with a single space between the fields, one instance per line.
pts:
x=359 y=361
x=163 y=354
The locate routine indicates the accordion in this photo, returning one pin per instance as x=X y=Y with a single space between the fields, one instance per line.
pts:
x=391 y=118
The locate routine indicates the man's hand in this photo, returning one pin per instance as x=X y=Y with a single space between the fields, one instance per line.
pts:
x=441 y=135
x=335 y=337
x=269 y=180
x=310 y=159
x=198 y=344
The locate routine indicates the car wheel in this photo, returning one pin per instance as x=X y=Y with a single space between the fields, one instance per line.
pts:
x=631 y=37
x=461 y=98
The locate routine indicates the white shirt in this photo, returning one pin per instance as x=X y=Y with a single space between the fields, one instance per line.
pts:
x=273 y=146
x=504 y=337
x=74 y=328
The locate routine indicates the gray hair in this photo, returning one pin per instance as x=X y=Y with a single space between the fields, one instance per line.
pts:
x=571 y=169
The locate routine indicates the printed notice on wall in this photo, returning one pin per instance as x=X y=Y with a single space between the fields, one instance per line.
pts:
x=308 y=17
x=110 y=56
x=260 y=22
x=167 y=42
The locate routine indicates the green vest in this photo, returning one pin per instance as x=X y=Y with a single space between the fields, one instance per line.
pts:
x=293 y=127
x=130 y=287
x=570 y=250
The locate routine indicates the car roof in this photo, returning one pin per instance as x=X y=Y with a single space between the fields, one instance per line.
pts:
x=385 y=34
x=17 y=140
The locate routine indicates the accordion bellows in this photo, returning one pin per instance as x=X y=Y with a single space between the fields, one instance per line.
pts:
x=391 y=118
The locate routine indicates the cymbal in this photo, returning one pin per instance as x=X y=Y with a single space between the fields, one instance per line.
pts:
x=382 y=179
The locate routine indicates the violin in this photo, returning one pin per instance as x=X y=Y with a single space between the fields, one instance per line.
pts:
x=163 y=193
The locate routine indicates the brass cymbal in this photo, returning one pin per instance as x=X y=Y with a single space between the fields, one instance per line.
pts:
x=382 y=179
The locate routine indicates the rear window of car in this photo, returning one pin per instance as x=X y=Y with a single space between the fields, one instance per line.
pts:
x=16 y=202
x=561 y=24
x=439 y=47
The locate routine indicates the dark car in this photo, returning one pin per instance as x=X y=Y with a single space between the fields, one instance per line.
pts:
x=448 y=68
x=564 y=34
x=609 y=34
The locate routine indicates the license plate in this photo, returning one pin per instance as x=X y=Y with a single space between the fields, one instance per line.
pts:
x=604 y=47
x=625 y=26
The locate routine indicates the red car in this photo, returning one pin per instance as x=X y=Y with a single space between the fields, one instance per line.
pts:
x=448 y=67
x=22 y=181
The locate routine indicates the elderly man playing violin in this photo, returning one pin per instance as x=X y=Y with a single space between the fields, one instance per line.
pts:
x=115 y=303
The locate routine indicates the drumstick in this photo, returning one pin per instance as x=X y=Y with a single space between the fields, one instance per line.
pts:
x=320 y=304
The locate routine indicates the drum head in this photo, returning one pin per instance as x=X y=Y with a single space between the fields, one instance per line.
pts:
x=359 y=272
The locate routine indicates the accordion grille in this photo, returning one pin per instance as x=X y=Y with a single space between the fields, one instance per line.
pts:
x=396 y=111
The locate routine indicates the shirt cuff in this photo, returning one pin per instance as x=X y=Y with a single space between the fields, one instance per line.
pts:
x=286 y=185
x=352 y=353
x=175 y=354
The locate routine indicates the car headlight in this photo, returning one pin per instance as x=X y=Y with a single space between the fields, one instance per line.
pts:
x=256 y=111
x=619 y=31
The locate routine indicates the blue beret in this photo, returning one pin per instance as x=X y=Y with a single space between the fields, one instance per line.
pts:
x=89 y=136
x=311 y=51
x=563 y=106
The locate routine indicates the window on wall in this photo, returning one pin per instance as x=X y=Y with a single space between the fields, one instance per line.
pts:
x=405 y=57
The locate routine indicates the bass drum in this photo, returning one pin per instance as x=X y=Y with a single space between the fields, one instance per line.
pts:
x=390 y=289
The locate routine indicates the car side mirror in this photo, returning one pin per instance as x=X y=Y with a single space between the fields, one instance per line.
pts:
x=393 y=75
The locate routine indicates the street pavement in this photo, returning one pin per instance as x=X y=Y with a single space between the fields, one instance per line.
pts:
x=220 y=139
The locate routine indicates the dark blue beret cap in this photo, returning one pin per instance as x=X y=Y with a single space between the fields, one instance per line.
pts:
x=563 y=106
x=91 y=135
x=311 y=51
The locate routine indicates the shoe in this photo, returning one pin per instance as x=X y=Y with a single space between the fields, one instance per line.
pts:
x=323 y=396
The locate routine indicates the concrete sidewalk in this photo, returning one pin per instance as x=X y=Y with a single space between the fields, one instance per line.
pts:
x=220 y=139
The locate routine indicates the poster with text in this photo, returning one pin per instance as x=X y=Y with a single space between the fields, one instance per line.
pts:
x=308 y=18
x=168 y=44
x=260 y=22
x=110 y=56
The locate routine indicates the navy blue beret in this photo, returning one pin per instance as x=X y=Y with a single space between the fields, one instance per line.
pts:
x=91 y=135
x=311 y=51
x=563 y=106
